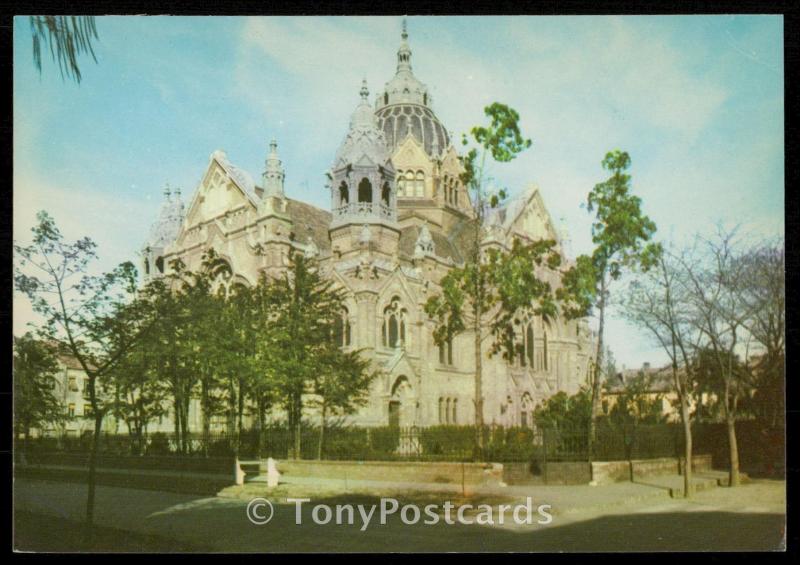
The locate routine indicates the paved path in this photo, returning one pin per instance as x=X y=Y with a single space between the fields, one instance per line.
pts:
x=749 y=517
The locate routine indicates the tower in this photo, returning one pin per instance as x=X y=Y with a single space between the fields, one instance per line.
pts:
x=428 y=168
x=362 y=184
x=162 y=233
x=273 y=175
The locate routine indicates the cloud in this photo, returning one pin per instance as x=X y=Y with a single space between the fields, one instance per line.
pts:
x=704 y=129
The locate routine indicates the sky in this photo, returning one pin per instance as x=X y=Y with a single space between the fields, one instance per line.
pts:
x=697 y=102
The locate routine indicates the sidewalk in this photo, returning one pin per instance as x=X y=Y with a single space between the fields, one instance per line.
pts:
x=221 y=524
x=564 y=499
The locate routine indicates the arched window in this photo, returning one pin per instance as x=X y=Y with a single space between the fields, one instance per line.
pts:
x=401 y=183
x=447 y=411
x=454 y=419
x=344 y=194
x=342 y=329
x=419 y=185
x=365 y=190
x=409 y=183
x=425 y=99
x=160 y=264
x=386 y=98
x=526 y=411
x=386 y=194
x=446 y=352
x=146 y=267
x=394 y=324
x=441 y=410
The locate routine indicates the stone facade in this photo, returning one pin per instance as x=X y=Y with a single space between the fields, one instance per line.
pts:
x=400 y=219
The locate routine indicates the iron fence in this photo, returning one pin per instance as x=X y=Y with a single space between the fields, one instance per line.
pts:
x=436 y=443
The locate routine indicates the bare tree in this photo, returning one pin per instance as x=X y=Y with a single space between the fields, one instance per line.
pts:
x=91 y=317
x=659 y=302
x=764 y=292
x=715 y=286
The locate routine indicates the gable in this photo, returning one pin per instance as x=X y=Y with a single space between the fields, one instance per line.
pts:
x=410 y=155
x=532 y=219
x=217 y=193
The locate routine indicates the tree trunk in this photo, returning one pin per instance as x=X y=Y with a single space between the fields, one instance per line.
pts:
x=321 y=433
x=262 y=416
x=187 y=398
x=478 y=383
x=206 y=408
x=176 y=407
x=687 y=450
x=297 y=416
x=730 y=420
x=733 y=475
x=240 y=413
x=98 y=424
x=597 y=368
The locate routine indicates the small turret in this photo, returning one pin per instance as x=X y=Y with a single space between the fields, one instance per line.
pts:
x=274 y=174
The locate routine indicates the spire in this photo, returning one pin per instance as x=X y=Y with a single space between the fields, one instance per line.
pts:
x=404 y=53
x=273 y=172
x=363 y=117
x=166 y=192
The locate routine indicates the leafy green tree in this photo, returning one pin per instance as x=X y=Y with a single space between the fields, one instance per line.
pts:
x=621 y=234
x=493 y=285
x=637 y=404
x=140 y=394
x=342 y=385
x=67 y=37
x=36 y=405
x=86 y=315
x=294 y=341
x=191 y=343
x=564 y=412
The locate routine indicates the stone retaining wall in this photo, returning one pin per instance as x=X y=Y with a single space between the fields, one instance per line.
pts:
x=605 y=472
x=396 y=471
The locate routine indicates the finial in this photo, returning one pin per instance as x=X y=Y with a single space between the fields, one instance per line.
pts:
x=404 y=53
x=166 y=191
x=177 y=193
x=364 y=90
x=273 y=146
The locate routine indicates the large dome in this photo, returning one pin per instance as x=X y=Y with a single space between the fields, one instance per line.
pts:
x=404 y=106
x=397 y=120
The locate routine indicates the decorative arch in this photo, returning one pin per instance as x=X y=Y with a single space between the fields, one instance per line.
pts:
x=526 y=410
x=394 y=324
x=401 y=402
x=419 y=184
x=343 y=329
x=386 y=194
x=365 y=190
